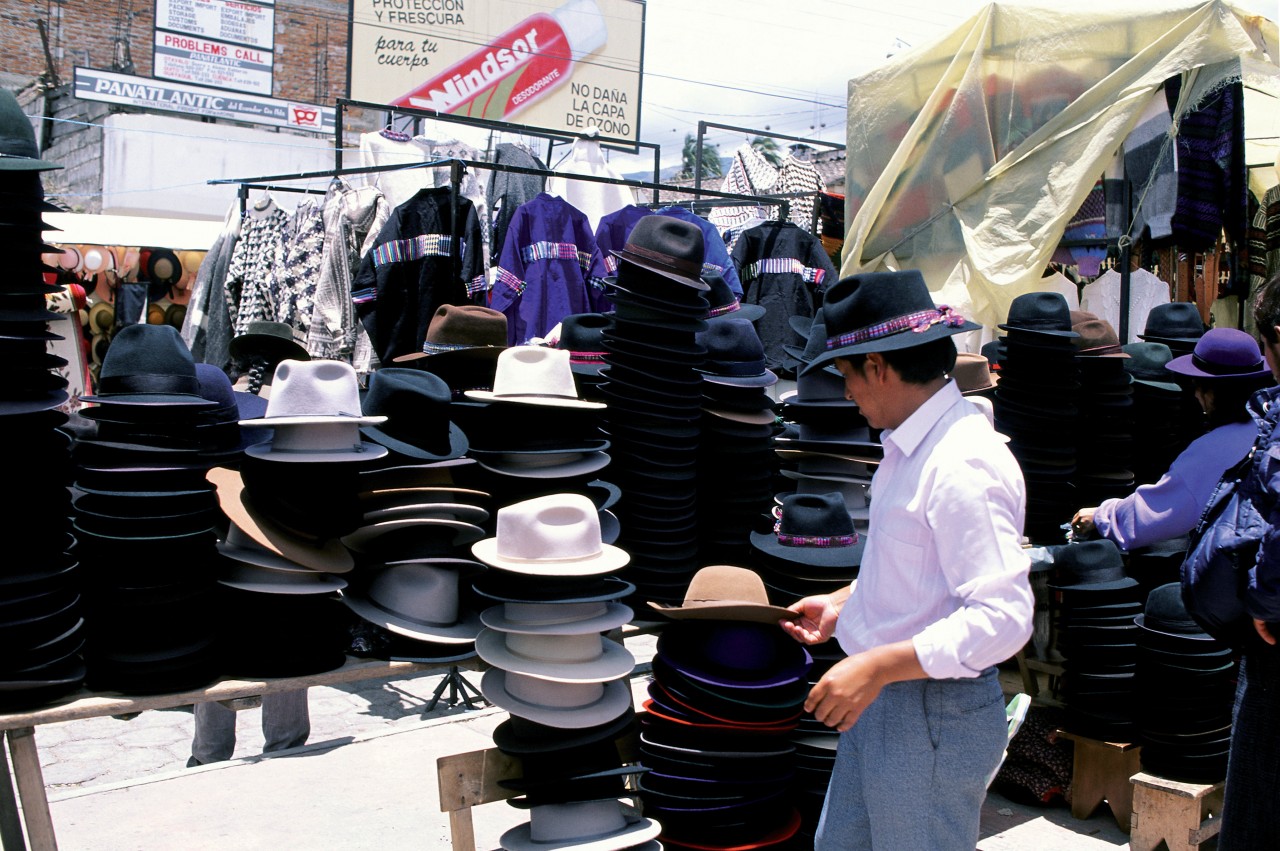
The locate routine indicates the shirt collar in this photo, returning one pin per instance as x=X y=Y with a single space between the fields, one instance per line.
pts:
x=915 y=428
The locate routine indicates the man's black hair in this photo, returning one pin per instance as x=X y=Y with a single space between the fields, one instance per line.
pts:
x=916 y=364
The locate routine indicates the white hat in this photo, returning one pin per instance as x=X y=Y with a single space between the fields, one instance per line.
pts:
x=315 y=411
x=585 y=658
x=580 y=826
x=557 y=618
x=534 y=375
x=556 y=704
x=553 y=535
x=417 y=600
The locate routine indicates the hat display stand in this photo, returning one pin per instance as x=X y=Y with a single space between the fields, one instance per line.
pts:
x=1186 y=690
x=1158 y=406
x=1106 y=437
x=654 y=395
x=724 y=704
x=736 y=463
x=1178 y=326
x=41 y=616
x=1035 y=405
x=1097 y=634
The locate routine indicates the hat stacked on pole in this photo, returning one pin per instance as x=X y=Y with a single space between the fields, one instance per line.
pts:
x=1105 y=437
x=1179 y=326
x=1036 y=405
x=41 y=623
x=654 y=394
x=736 y=463
x=565 y=684
x=1186 y=689
x=727 y=692
x=1157 y=406
x=582 y=335
x=1098 y=637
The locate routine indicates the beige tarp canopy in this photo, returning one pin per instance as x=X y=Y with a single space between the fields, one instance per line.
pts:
x=966 y=159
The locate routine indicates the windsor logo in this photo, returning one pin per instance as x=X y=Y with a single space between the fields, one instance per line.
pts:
x=468 y=78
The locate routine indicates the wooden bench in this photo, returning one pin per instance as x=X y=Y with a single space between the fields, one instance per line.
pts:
x=18 y=729
x=1101 y=771
x=1181 y=815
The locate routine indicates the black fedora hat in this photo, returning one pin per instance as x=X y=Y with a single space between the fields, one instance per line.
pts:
x=668 y=246
x=814 y=529
x=18 y=149
x=1176 y=322
x=1166 y=614
x=1042 y=313
x=581 y=334
x=271 y=341
x=735 y=355
x=149 y=365
x=883 y=311
x=1092 y=566
x=163 y=267
x=416 y=406
x=723 y=302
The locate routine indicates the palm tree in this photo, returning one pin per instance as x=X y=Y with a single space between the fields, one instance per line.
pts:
x=767 y=147
x=710 y=158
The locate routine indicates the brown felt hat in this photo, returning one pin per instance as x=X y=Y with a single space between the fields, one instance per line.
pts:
x=463 y=329
x=726 y=593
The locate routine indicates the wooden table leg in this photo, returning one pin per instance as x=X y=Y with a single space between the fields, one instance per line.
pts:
x=11 y=838
x=30 y=781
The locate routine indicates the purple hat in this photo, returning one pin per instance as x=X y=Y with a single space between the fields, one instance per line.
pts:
x=1222 y=353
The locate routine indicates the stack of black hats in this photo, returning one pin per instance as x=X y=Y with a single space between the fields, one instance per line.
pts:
x=1157 y=405
x=1036 y=406
x=654 y=393
x=582 y=335
x=143 y=507
x=1186 y=688
x=289 y=504
x=827 y=445
x=40 y=616
x=736 y=463
x=1105 y=439
x=727 y=691
x=1098 y=637
x=1178 y=325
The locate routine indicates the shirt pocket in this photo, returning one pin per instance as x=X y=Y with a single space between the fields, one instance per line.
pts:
x=899 y=570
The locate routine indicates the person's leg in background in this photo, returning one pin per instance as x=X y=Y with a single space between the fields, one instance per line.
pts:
x=215 y=733
x=286 y=720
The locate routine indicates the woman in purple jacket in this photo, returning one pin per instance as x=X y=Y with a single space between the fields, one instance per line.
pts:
x=1225 y=369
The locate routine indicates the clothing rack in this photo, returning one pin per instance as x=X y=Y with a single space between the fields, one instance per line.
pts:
x=552 y=137
x=245 y=188
x=695 y=204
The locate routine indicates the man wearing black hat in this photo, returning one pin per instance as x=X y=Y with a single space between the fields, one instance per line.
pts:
x=942 y=595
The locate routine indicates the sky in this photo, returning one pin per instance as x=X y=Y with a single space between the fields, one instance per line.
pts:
x=780 y=64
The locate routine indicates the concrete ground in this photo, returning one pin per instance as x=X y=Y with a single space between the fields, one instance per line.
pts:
x=367 y=779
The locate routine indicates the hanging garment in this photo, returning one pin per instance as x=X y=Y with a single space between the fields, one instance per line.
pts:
x=303 y=245
x=474 y=181
x=595 y=200
x=1264 y=248
x=730 y=236
x=409 y=272
x=1102 y=299
x=749 y=174
x=1089 y=222
x=1212 y=185
x=250 y=286
x=508 y=190
x=542 y=273
x=715 y=255
x=1149 y=167
x=1060 y=283
x=382 y=148
x=797 y=175
x=206 y=329
x=611 y=235
x=353 y=218
x=785 y=270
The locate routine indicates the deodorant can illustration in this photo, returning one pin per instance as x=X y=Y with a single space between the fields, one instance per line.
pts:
x=518 y=68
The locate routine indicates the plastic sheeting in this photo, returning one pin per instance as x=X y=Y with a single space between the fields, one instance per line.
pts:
x=966 y=159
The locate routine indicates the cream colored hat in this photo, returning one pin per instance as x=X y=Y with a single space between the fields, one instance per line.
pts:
x=534 y=375
x=554 y=535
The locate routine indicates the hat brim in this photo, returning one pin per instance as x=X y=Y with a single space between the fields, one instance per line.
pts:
x=458 y=444
x=16 y=163
x=461 y=353
x=726 y=610
x=615 y=615
x=367 y=451
x=636 y=835
x=462 y=511
x=894 y=342
x=580 y=465
x=849 y=556
x=693 y=281
x=543 y=401
x=267 y=346
x=615 y=699
x=1183 y=365
x=366 y=537
x=768 y=378
x=465 y=630
x=317 y=583
x=614 y=662
x=609 y=559
x=749 y=312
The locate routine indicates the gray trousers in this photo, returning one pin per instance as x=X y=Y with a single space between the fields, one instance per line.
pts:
x=286 y=723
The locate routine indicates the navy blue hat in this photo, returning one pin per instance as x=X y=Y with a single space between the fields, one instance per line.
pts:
x=883 y=311
x=1222 y=353
x=416 y=405
x=735 y=355
x=725 y=303
x=148 y=365
x=1178 y=321
x=1040 y=313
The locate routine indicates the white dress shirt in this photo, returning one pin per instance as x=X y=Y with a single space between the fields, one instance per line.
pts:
x=944 y=565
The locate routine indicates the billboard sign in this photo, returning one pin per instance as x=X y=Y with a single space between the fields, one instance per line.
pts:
x=562 y=66
x=225 y=44
x=110 y=87
x=247 y=22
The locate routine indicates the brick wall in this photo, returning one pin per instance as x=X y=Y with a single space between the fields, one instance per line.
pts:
x=83 y=32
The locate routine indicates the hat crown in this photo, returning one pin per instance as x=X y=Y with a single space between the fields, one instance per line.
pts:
x=1174 y=320
x=142 y=351
x=669 y=241
x=815 y=515
x=1090 y=561
x=553 y=528
x=1230 y=348
x=723 y=583
x=575 y=820
x=1147 y=361
x=319 y=388
x=416 y=405
x=720 y=296
x=971 y=372
x=556 y=649
x=816 y=343
x=872 y=298
x=467 y=325
x=17 y=137
x=1165 y=611
x=553 y=695
x=1041 y=311
x=534 y=371
x=583 y=332
x=422 y=593
x=216 y=387
x=1094 y=334
x=551 y=614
